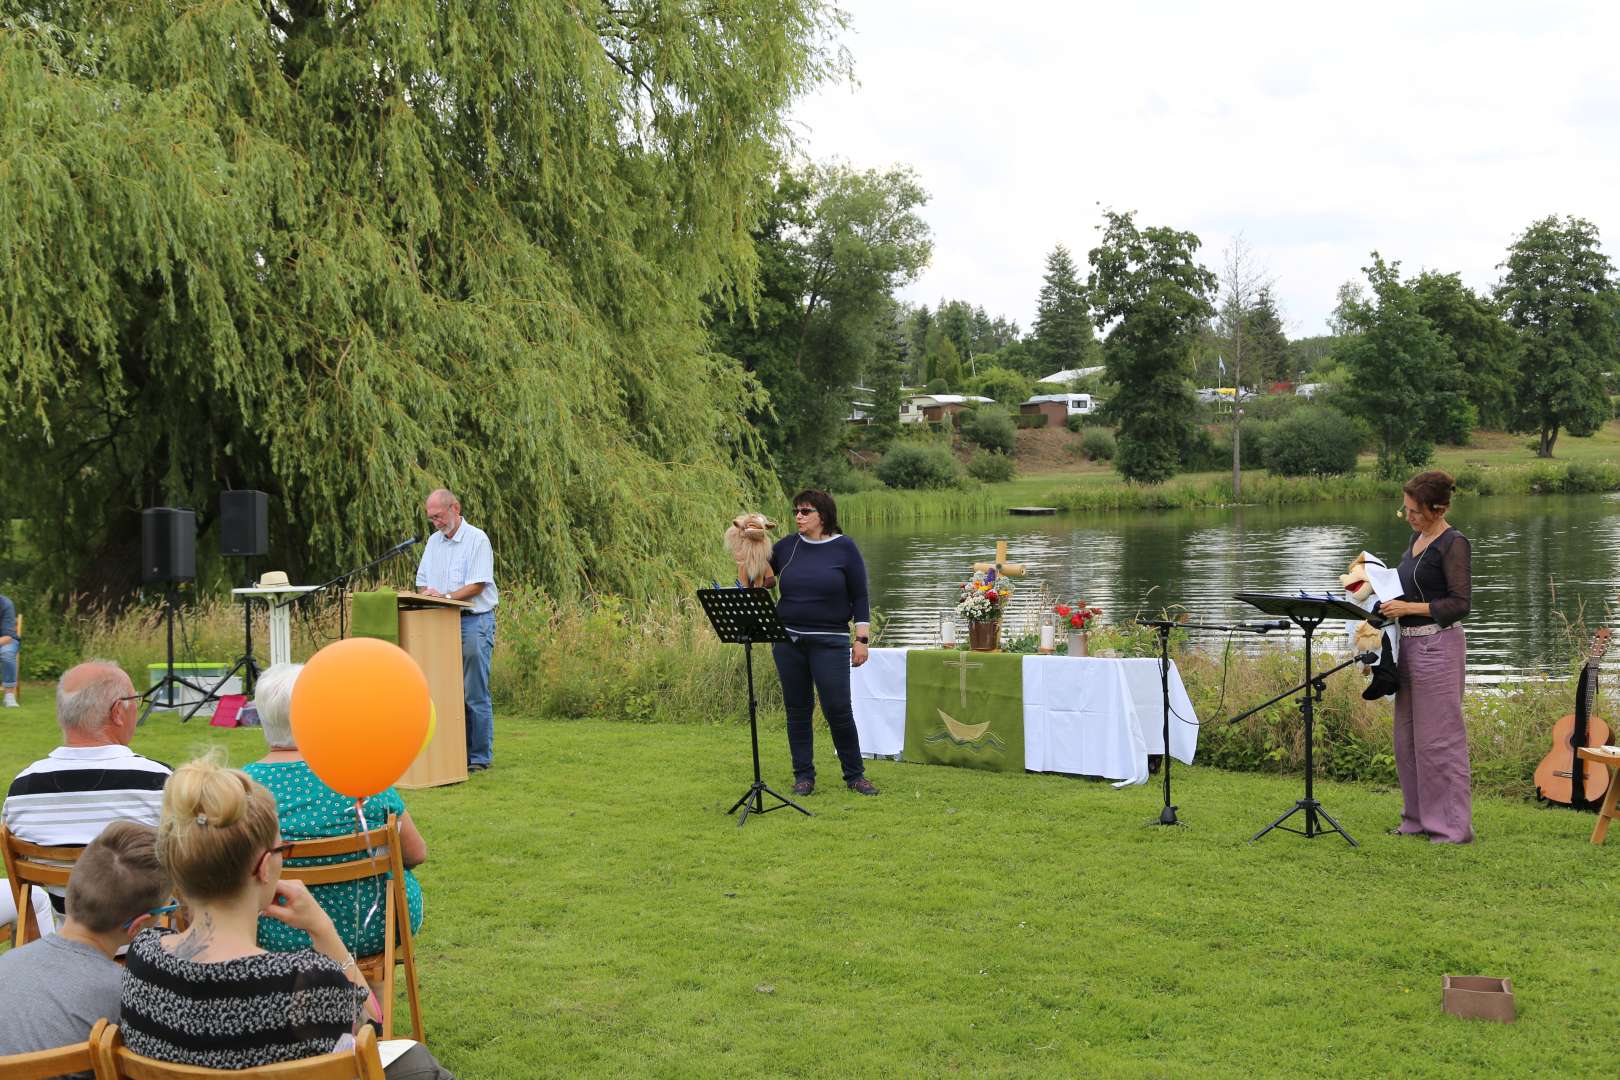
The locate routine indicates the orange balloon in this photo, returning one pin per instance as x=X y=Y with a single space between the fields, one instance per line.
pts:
x=433 y=724
x=360 y=711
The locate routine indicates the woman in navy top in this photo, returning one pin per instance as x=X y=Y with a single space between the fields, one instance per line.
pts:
x=822 y=578
x=1431 y=740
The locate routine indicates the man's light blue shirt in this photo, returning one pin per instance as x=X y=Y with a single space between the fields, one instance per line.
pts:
x=449 y=564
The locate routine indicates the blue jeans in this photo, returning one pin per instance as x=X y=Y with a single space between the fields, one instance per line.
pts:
x=808 y=667
x=8 y=665
x=477 y=646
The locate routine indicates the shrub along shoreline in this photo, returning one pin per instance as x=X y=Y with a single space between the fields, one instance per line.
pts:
x=1213 y=491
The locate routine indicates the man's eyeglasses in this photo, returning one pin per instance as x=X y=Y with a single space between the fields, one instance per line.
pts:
x=163 y=909
x=799 y=511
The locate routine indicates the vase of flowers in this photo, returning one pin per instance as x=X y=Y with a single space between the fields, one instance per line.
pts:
x=1077 y=618
x=983 y=601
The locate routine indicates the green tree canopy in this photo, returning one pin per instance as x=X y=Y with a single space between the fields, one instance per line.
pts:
x=1486 y=348
x=1146 y=284
x=1264 y=341
x=1404 y=379
x=348 y=253
x=834 y=244
x=1559 y=294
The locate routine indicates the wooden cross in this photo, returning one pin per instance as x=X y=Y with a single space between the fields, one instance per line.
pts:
x=1001 y=566
x=962 y=663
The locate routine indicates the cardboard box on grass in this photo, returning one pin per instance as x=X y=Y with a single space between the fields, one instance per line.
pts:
x=1476 y=997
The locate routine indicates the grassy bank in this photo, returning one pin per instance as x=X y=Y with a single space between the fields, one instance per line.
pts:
x=1496 y=465
x=592 y=912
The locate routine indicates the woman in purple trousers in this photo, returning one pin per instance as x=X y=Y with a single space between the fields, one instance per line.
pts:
x=1431 y=741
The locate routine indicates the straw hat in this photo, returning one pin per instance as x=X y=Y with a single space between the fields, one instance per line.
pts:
x=271 y=578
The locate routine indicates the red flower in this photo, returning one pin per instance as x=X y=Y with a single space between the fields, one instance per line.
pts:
x=1063 y=609
x=1076 y=621
x=992 y=596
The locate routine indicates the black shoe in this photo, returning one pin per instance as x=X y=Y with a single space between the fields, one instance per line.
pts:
x=1396 y=831
x=804 y=787
x=476 y=766
x=863 y=786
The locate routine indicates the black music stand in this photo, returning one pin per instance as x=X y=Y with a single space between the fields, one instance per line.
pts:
x=1307 y=613
x=1167 y=816
x=742 y=617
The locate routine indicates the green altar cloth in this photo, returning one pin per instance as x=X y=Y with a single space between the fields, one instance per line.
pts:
x=965 y=708
x=376 y=614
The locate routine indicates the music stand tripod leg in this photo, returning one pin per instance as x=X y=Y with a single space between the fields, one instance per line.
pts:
x=758 y=789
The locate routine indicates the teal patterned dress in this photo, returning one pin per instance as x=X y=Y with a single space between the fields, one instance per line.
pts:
x=310 y=811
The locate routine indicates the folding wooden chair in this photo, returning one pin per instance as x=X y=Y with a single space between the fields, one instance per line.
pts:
x=78 y=1057
x=29 y=867
x=399 y=947
x=115 y=1061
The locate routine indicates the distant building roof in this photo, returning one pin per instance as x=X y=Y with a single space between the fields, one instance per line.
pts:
x=1071 y=374
x=953 y=399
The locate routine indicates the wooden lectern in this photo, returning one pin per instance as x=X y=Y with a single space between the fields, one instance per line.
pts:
x=430 y=630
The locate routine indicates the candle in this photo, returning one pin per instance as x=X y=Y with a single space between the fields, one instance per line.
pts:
x=947 y=630
x=1047 y=630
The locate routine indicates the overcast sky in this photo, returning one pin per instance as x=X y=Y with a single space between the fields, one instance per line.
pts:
x=1434 y=132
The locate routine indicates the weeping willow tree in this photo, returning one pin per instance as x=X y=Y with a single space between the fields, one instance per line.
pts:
x=349 y=252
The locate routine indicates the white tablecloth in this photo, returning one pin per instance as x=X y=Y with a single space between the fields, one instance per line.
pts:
x=1085 y=715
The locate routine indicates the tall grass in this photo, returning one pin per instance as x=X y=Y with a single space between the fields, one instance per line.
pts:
x=661 y=663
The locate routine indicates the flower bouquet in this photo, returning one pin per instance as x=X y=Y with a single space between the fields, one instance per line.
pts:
x=983 y=601
x=1077 y=619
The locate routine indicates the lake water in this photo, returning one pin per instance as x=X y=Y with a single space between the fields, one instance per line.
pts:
x=1537 y=561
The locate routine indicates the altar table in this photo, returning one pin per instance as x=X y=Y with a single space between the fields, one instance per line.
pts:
x=1088 y=716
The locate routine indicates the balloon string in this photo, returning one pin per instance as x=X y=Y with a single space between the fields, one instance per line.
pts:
x=377 y=889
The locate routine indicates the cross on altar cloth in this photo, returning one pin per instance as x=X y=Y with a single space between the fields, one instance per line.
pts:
x=961 y=663
x=1001 y=566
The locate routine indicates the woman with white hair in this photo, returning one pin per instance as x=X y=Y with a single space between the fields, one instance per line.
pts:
x=310 y=810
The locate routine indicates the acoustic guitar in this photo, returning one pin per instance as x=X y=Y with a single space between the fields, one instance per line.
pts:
x=1562 y=777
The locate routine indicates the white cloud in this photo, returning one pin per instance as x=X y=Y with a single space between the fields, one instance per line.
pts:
x=1431 y=131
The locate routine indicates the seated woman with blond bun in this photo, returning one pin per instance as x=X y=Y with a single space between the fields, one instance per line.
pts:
x=209 y=995
x=310 y=810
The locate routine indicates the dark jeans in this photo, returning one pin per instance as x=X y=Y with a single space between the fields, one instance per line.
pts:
x=808 y=667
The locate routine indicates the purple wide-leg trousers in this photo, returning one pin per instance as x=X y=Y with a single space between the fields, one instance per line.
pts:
x=1431 y=742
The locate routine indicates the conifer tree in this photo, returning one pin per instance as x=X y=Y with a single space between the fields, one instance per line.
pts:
x=1063 y=337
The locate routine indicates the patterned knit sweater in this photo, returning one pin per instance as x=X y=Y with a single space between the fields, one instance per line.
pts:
x=234 y=1014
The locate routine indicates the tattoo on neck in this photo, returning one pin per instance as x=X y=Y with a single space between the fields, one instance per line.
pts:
x=197 y=939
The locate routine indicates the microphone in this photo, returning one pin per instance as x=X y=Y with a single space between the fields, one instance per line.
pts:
x=1267 y=627
x=403 y=544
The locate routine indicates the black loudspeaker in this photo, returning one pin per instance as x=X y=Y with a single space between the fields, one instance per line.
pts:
x=244 y=523
x=168 y=545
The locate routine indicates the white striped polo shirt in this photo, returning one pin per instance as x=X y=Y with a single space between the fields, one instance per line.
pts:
x=66 y=799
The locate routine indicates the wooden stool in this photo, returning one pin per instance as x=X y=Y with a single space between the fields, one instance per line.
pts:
x=1610 y=756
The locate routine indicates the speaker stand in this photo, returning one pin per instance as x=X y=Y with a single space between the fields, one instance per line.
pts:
x=247 y=664
x=170 y=680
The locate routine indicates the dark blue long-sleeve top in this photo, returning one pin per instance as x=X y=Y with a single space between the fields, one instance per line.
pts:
x=8 y=617
x=822 y=582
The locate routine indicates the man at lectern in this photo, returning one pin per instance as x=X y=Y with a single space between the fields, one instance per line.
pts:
x=459 y=563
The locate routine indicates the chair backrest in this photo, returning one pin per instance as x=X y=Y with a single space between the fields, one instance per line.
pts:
x=33 y=866
x=79 y=1057
x=115 y=1061
x=384 y=841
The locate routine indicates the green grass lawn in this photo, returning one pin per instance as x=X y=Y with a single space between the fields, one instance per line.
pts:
x=591 y=911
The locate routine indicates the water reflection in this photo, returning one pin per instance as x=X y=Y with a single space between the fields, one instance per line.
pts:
x=1537 y=561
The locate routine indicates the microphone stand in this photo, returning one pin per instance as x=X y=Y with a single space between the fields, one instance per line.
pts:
x=341 y=582
x=1167 y=816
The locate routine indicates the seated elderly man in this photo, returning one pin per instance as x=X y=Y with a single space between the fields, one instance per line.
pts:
x=66 y=798
x=52 y=991
x=310 y=810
